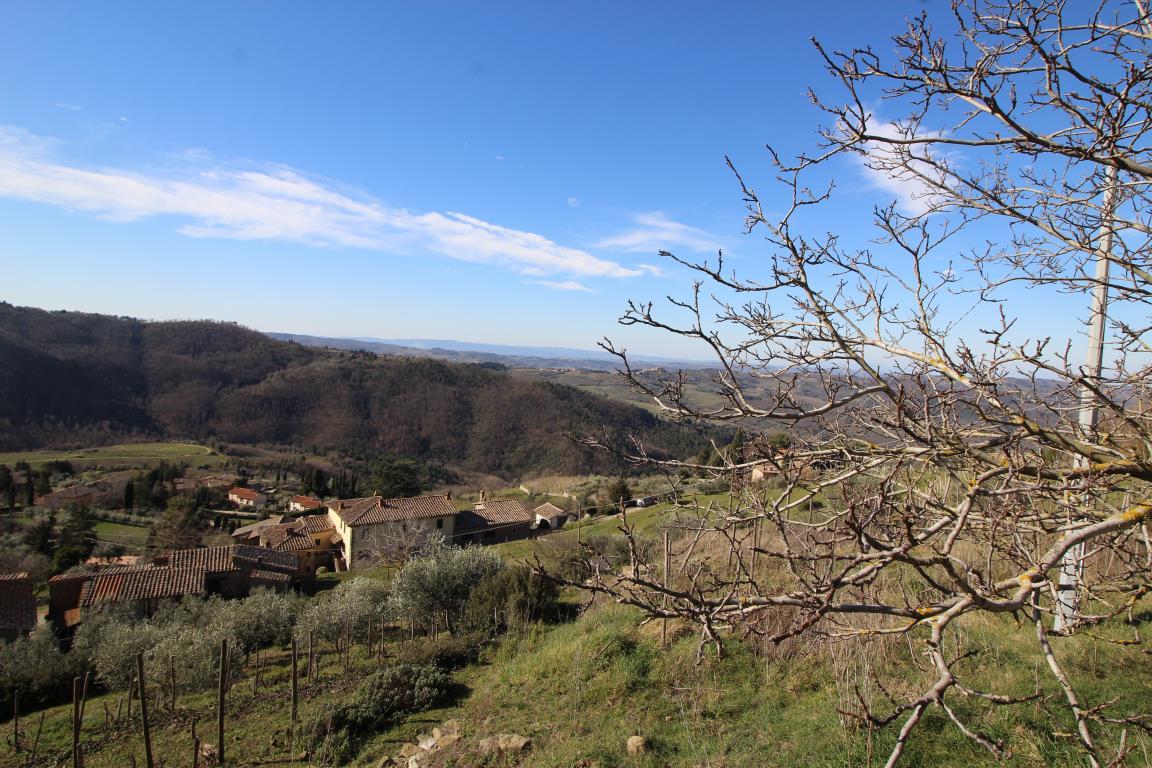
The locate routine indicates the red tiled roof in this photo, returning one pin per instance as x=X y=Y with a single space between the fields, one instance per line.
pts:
x=258 y=574
x=142 y=584
x=17 y=603
x=503 y=511
x=246 y=493
x=210 y=559
x=259 y=556
x=291 y=541
x=317 y=523
x=493 y=513
x=254 y=528
x=296 y=535
x=549 y=511
x=307 y=502
x=89 y=570
x=374 y=509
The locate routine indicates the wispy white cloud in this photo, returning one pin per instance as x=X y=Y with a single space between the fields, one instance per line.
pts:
x=561 y=285
x=656 y=232
x=247 y=202
x=69 y=107
x=573 y=202
x=896 y=171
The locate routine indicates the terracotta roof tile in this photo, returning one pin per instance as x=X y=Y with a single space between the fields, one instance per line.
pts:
x=549 y=511
x=493 y=513
x=246 y=493
x=247 y=530
x=259 y=556
x=132 y=584
x=210 y=559
x=258 y=574
x=374 y=509
x=317 y=523
x=308 y=502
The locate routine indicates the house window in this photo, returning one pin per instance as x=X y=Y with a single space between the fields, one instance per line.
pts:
x=439 y=522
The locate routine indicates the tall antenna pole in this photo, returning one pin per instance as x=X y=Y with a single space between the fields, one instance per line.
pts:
x=1072 y=564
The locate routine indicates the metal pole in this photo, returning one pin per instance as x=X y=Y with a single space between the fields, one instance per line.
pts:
x=1072 y=564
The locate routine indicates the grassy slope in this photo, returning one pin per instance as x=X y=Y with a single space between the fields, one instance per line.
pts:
x=124 y=453
x=580 y=689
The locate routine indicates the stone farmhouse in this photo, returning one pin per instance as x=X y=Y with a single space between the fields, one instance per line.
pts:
x=353 y=533
x=246 y=498
x=372 y=529
x=493 y=522
x=313 y=539
x=304 y=504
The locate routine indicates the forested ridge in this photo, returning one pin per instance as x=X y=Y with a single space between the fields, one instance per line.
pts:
x=70 y=377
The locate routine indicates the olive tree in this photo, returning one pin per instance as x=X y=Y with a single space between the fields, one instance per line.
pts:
x=436 y=584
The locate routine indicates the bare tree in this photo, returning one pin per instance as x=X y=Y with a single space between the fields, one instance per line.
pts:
x=947 y=459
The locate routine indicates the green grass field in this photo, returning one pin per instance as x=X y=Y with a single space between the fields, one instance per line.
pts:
x=124 y=454
x=131 y=536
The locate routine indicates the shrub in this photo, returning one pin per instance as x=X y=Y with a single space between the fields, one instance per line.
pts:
x=510 y=598
x=380 y=702
x=446 y=653
x=34 y=667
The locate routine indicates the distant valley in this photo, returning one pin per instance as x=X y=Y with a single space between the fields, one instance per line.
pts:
x=69 y=378
x=474 y=352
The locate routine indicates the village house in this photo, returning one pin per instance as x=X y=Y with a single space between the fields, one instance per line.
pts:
x=312 y=538
x=492 y=522
x=80 y=495
x=250 y=534
x=304 y=504
x=228 y=571
x=189 y=485
x=374 y=529
x=549 y=517
x=17 y=605
x=246 y=498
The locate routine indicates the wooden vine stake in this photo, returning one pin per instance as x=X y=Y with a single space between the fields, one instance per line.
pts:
x=220 y=701
x=143 y=711
x=76 y=683
x=667 y=568
x=16 y=722
x=295 y=680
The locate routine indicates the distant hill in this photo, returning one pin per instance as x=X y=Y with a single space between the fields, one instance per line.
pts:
x=472 y=352
x=68 y=378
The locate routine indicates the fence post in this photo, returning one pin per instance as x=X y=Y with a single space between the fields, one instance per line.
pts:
x=667 y=568
x=295 y=683
x=16 y=721
x=143 y=711
x=76 y=722
x=220 y=701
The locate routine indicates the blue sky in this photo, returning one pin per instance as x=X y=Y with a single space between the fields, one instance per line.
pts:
x=498 y=172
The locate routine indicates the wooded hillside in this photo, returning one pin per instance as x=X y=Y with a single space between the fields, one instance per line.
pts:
x=68 y=378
